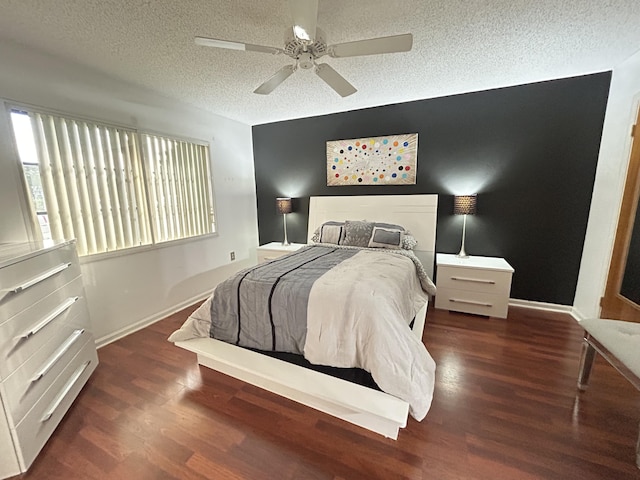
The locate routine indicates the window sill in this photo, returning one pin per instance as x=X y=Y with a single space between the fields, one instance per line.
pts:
x=97 y=257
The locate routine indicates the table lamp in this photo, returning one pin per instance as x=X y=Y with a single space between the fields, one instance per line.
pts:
x=464 y=205
x=283 y=205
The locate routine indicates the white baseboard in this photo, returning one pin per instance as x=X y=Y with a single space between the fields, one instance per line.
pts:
x=578 y=315
x=548 y=307
x=145 y=322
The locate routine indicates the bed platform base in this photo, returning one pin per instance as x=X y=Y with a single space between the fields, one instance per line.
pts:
x=371 y=409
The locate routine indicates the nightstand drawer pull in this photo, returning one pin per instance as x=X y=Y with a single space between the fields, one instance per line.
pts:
x=475 y=280
x=50 y=317
x=63 y=393
x=58 y=354
x=471 y=302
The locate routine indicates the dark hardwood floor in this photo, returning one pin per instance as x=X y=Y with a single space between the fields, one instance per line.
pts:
x=505 y=407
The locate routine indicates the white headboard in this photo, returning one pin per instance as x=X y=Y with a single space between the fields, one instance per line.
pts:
x=416 y=213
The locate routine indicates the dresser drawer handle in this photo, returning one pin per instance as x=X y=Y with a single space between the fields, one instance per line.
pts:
x=63 y=393
x=58 y=354
x=39 y=278
x=471 y=302
x=475 y=280
x=50 y=317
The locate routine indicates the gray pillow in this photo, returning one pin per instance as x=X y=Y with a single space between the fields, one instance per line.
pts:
x=357 y=233
x=386 y=238
x=389 y=225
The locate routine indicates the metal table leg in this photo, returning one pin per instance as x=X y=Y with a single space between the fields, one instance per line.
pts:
x=586 y=363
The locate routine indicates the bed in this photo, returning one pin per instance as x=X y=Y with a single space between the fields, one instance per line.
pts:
x=383 y=412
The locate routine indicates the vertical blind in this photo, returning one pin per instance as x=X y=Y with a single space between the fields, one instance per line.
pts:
x=109 y=193
x=179 y=194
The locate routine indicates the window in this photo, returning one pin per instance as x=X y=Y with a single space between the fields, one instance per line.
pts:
x=178 y=185
x=109 y=187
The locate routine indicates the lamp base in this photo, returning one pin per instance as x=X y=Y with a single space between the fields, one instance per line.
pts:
x=285 y=242
x=462 y=253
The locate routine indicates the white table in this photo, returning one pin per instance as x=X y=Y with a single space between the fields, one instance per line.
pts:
x=272 y=250
x=478 y=285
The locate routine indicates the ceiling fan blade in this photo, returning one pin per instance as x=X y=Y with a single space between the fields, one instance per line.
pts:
x=373 y=46
x=280 y=76
x=335 y=80
x=214 y=42
x=304 y=14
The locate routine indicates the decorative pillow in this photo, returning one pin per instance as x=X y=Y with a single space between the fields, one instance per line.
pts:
x=386 y=238
x=389 y=225
x=329 y=232
x=409 y=242
x=357 y=233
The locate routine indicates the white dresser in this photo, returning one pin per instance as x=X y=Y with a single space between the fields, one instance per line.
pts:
x=478 y=285
x=47 y=352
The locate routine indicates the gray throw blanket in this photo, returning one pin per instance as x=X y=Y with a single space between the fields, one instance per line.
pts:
x=265 y=307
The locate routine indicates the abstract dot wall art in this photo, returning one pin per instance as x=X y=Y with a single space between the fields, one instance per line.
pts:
x=389 y=160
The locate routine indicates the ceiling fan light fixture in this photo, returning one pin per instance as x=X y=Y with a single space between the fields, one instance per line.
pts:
x=301 y=34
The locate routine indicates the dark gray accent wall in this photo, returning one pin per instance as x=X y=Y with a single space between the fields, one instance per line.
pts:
x=529 y=152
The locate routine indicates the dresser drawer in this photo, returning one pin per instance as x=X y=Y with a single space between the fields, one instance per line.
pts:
x=36 y=427
x=477 y=280
x=479 y=303
x=26 y=385
x=25 y=333
x=23 y=284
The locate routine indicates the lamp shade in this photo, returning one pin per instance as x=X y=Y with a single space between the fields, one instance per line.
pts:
x=283 y=205
x=464 y=204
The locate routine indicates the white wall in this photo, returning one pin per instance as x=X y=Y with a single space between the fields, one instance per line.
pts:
x=130 y=290
x=615 y=149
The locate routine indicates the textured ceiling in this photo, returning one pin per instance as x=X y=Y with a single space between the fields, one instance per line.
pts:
x=459 y=46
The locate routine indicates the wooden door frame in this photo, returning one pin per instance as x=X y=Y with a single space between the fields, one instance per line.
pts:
x=614 y=305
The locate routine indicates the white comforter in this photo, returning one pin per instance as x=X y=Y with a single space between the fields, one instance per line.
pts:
x=358 y=316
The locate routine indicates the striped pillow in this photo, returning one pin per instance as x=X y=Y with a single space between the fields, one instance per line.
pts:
x=329 y=232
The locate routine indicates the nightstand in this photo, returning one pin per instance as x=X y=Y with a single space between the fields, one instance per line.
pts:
x=478 y=285
x=272 y=250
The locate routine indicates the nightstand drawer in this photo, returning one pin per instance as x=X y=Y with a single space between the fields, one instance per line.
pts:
x=479 y=303
x=267 y=256
x=477 y=280
x=273 y=250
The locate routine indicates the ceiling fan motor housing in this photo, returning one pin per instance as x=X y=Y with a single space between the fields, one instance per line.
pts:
x=304 y=51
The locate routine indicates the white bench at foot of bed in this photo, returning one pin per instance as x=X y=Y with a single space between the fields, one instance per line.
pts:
x=371 y=409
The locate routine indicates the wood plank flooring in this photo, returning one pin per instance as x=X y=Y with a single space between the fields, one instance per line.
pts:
x=505 y=407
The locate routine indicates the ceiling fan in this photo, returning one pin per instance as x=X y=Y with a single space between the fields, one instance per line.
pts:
x=306 y=43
